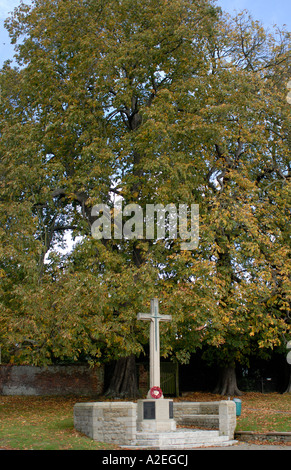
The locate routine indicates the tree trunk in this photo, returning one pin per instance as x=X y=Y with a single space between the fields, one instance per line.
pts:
x=227 y=382
x=124 y=381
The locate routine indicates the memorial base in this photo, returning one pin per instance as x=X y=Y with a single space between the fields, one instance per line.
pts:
x=155 y=415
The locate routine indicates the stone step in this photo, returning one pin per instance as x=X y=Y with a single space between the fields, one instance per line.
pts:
x=178 y=434
x=184 y=446
x=180 y=439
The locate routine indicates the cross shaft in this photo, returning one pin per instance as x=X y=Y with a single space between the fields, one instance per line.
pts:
x=154 y=317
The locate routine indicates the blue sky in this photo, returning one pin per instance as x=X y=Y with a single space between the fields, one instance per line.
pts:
x=269 y=12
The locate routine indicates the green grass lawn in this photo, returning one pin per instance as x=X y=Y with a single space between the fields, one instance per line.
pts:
x=265 y=412
x=42 y=423
x=46 y=423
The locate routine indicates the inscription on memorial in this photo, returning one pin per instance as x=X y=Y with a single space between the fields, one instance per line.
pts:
x=171 y=410
x=149 y=410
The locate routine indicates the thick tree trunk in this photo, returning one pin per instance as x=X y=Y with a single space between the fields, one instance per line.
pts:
x=227 y=382
x=124 y=381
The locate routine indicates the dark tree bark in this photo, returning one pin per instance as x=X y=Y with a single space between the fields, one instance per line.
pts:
x=124 y=381
x=227 y=384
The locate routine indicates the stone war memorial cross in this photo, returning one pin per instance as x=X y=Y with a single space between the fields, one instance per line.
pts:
x=154 y=317
x=154 y=414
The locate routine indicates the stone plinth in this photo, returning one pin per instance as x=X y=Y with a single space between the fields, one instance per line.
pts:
x=155 y=415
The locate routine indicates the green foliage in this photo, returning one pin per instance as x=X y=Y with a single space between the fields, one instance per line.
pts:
x=156 y=102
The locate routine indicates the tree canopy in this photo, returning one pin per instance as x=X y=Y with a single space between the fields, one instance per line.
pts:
x=147 y=102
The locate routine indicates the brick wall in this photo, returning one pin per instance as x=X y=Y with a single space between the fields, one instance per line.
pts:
x=52 y=380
